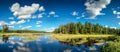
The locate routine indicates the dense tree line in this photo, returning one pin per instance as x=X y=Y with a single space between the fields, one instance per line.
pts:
x=87 y=28
x=25 y=31
x=5 y=29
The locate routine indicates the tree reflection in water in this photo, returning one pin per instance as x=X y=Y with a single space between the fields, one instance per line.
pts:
x=5 y=38
x=45 y=43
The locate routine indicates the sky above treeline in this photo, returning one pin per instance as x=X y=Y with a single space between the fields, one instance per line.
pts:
x=46 y=15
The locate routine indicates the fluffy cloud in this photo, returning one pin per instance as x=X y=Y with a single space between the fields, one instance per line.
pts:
x=38 y=22
x=116 y=13
x=25 y=11
x=83 y=15
x=94 y=8
x=11 y=26
x=74 y=13
x=13 y=22
x=41 y=9
x=27 y=27
x=15 y=7
x=34 y=16
x=19 y=22
x=3 y=23
x=40 y=15
x=11 y=18
x=52 y=13
x=51 y=29
x=119 y=23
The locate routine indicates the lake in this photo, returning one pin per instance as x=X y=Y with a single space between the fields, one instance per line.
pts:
x=42 y=43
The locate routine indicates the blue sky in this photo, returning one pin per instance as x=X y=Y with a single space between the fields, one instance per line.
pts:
x=47 y=15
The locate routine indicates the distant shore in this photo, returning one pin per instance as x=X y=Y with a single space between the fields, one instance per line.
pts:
x=21 y=34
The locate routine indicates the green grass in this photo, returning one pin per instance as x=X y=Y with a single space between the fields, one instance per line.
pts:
x=63 y=37
x=111 y=47
x=27 y=36
x=21 y=34
x=79 y=39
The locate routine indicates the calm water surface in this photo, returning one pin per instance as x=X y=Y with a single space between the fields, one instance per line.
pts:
x=42 y=44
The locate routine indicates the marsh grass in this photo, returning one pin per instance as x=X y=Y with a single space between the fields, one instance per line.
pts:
x=21 y=34
x=74 y=39
x=63 y=37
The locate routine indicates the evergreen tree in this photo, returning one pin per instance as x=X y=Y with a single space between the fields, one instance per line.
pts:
x=75 y=28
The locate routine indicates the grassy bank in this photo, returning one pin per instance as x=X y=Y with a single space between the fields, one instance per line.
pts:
x=63 y=37
x=21 y=34
x=79 y=39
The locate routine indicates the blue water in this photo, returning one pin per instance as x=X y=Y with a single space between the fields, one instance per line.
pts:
x=43 y=44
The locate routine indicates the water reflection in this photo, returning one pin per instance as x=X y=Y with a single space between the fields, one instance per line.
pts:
x=5 y=38
x=43 y=43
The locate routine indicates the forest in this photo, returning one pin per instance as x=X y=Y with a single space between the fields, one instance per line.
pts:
x=5 y=29
x=86 y=28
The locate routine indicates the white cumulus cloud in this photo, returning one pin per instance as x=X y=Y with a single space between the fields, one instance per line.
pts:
x=38 y=22
x=41 y=9
x=117 y=13
x=13 y=22
x=40 y=15
x=11 y=26
x=11 y=18
x=51 y=29
x=15 y=7
x=27 y=27
x=52 y=13
x=21 y=22
x=74 y=13
x=3 y=23
x=34 y=16
x=94 y=8
x=118 y=23
x=25 y=11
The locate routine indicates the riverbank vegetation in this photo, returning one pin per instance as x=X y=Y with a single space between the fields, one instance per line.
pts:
x=87 y=28
x=111 y=43
x=89 y=34
x=63 y=37
x=5 y=31
x=74 y=39
x=76 y=34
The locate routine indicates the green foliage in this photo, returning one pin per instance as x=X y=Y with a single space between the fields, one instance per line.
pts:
x=114 y=38
x=111 y=47
x=87 y=28
x=25 y=31
x=5 y=28
x=113 y=44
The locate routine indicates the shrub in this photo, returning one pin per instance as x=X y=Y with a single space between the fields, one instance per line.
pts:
x=111 y=47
